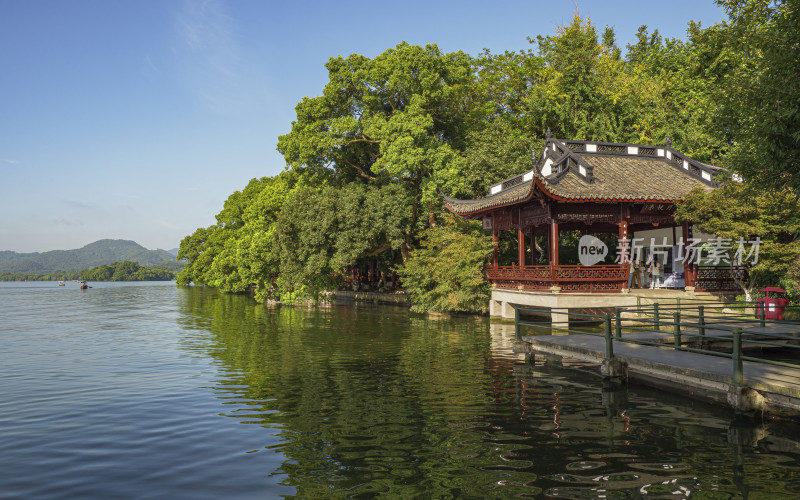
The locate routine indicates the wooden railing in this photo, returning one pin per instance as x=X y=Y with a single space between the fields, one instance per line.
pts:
x=608 y=278
x=719 y=279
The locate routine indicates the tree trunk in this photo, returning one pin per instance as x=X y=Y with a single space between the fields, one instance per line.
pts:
x=746 y=286
x=405 y=251
x=377 y=251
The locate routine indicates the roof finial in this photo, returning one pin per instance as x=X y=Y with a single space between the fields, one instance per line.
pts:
x=548 y=134
x=669 y=142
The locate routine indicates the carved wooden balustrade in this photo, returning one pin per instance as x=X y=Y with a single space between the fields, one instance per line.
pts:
x=602 y=278
x=719 y=279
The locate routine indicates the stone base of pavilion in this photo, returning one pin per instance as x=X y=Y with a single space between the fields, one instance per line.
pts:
x=503 y=301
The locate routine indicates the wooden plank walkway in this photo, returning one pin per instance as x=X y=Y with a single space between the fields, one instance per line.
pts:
x=770 y=388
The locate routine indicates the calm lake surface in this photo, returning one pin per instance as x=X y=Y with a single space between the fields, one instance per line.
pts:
x=131 y=390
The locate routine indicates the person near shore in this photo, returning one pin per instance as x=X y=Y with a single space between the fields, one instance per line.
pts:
x=634 y=280
x=642 y=271
x=656 y=272
x=631 y=270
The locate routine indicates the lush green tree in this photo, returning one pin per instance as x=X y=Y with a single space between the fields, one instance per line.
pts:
x=320 y=232
x=760 y=96
x=247 y=259
x=496 y=151
x=54 y=276
x=587 y=91
x=401 y=116
x=207 y=251
x=153 y=274
x=791 y=282
x=126 y=271
x=99 y=273
x=578 y=85
x=737 y=211
x=368 y=157
x=680 y=76
x=447 y=272
x=197 y=250
x=236 y=254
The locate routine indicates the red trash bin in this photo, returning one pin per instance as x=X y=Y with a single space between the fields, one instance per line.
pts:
x=772 y=307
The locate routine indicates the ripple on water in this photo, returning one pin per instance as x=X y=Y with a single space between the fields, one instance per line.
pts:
x=159 y=392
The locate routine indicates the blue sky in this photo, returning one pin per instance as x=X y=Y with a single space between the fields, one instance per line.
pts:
x=137 y=119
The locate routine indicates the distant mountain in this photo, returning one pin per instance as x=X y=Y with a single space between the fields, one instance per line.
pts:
x=92 y=255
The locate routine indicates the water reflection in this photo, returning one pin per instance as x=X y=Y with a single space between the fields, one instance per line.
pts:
x=376 y=400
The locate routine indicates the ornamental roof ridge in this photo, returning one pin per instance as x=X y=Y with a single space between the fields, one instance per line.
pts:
x=594 y=171
x=703 y=172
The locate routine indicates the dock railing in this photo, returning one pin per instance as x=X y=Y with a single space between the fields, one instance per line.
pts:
x=716 y=329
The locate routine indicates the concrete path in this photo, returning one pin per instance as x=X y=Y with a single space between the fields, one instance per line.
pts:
x=702 y=373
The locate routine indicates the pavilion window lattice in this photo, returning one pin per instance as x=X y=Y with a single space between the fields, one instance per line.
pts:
x=513 y=182
x=719 y=278
x=608 y=148
x=647 y=151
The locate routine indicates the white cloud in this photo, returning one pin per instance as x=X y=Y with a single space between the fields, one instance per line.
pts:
x=218 y=67
x=150 y=70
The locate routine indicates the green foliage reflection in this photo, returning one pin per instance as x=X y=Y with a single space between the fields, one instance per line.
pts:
x=378 y=401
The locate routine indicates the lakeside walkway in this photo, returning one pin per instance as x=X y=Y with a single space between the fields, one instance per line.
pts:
x=765 y=388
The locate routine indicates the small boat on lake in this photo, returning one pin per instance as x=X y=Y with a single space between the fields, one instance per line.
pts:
x=61 y=283
x=84 y=286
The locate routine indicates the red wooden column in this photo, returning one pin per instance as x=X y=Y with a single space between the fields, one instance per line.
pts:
x=623 y=235
x=520 y=248
x=496 y=255
x=553 y=242
x=533 y=246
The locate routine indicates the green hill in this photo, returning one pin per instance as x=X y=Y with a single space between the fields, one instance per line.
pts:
x=92 y=255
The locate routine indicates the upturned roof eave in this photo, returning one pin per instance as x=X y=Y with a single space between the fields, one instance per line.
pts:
x=472 y=213
x=546 y=190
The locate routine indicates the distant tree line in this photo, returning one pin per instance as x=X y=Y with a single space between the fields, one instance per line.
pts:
x=53 y=276
x=127 y=271
x=369 y=158
x=118 y=271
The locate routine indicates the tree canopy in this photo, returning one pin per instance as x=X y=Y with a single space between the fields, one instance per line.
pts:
x=759 y=47
x=126 y=271
x=737 y=214
x=368 y=159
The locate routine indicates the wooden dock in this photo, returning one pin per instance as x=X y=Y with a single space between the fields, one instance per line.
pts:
x=765 y=388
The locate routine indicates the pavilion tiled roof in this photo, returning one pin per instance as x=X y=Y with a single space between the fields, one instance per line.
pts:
x=578 y=171
x=510 y=196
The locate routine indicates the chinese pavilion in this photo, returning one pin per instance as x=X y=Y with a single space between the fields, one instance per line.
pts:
x=594 y=187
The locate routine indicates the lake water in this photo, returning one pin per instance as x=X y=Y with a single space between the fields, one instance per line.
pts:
x=147 y=390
